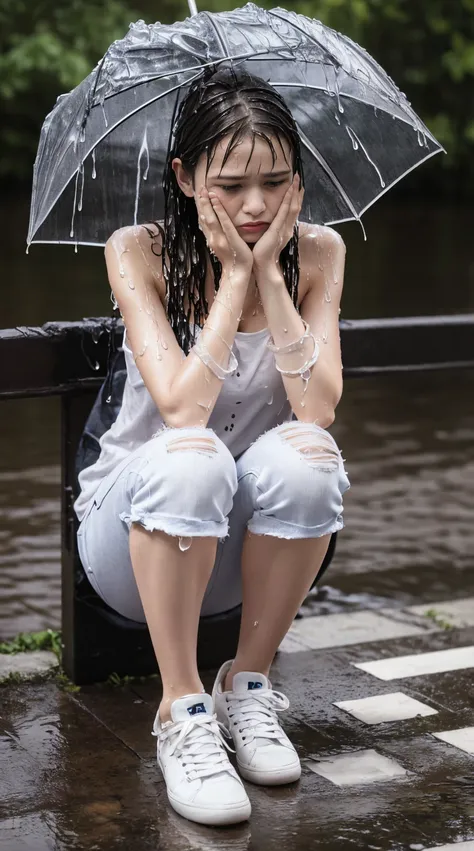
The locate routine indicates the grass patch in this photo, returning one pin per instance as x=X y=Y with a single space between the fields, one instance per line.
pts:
x=27 y=642
x=438 y=619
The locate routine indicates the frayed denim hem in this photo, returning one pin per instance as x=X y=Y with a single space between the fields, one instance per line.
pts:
x=176 y=526
x=265 y=525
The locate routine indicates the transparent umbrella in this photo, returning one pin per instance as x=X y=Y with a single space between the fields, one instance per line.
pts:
x=104 y=145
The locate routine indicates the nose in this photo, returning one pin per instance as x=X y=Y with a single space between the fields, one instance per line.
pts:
x=254 y=203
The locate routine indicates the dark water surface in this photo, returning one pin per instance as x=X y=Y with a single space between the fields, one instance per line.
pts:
x=408 y=440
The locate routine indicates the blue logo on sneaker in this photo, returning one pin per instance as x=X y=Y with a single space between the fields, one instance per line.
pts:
x=255 y=685
x=196 y=708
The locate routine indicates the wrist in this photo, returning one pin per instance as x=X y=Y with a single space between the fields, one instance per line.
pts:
x=270 y=275
x=237 y=276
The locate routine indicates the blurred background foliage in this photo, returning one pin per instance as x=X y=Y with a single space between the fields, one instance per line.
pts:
x=427 y=46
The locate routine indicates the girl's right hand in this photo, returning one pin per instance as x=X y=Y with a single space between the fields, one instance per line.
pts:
x=221 y=236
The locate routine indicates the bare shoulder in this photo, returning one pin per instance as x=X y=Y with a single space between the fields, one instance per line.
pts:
x=143 y=244
x=311 y=236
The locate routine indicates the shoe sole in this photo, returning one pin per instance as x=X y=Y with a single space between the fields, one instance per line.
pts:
x=278 y=777
x=233 y=815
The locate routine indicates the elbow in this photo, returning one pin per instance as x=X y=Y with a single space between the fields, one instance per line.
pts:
x=328 y=418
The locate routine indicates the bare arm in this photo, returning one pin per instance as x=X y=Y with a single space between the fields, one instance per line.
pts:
x=184 y=390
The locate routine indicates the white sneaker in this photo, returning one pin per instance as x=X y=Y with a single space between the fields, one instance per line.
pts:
x=265 y=754
x=201 y=783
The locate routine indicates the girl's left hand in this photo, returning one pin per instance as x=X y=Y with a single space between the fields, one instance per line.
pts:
x=266 y=252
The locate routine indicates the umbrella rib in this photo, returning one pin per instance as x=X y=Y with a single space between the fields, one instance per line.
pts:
x=219 y=36
x=397 y=180
x=327 y=168
x=425 y=131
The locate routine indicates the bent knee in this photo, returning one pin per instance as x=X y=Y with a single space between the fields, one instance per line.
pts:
x=305 y=481
x=187 y=468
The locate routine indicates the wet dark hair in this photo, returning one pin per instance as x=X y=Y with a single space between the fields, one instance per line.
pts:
x=224 y=102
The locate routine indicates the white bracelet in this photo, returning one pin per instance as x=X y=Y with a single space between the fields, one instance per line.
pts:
x=290 y=347
x=219 y=371
x=304 y=370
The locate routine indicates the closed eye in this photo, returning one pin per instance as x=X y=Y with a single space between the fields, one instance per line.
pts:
x=234 y=186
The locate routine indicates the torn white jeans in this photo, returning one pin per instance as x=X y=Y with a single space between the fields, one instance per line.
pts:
x=184 y=481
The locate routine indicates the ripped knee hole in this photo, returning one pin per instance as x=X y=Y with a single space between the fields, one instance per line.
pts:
x=192 y=444
x=318 y=449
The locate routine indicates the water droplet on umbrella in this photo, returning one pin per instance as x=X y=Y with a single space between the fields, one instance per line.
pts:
x=353 y=136
x=71 y=232
x=142 y=152
x=103 y=113
x=81 y=193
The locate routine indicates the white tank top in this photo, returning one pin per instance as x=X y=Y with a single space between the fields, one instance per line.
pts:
x=252 y=401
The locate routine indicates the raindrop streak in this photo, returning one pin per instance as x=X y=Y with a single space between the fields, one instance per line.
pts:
x=81 y=193
x=355 y=138
x=143 y=150
x=71 y=232
x=338 y=93
x=94 y=173
x=103 y=113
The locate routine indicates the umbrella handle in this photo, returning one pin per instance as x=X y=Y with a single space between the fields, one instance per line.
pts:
x=192 y=7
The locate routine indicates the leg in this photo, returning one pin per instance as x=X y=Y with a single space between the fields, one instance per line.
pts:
x=276 y=577
x=149 y=543
x=171 y=584
x=297 y=499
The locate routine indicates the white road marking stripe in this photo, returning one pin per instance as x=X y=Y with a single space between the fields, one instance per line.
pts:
x=399 y=667
x=357 y=768
x=462 y=738
x=385 y=707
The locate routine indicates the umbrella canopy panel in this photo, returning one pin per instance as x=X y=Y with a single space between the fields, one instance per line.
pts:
x=103 y=147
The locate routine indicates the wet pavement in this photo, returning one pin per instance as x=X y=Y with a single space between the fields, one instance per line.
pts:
x=79 y=770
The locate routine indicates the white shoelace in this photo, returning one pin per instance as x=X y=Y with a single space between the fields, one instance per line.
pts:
x=199 y=744
x=255 y=713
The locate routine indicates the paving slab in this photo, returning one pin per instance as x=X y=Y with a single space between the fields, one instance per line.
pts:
x=462 y=738
x=342 y=629
x=456 y=613
x=27 y=664
x=355 y=769
x=382 y=708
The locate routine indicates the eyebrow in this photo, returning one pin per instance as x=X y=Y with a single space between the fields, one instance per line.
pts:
x=244 y=176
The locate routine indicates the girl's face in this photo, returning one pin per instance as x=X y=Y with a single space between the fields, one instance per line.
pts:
x=251 y=191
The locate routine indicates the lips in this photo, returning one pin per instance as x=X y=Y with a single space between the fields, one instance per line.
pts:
x=254 y=225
